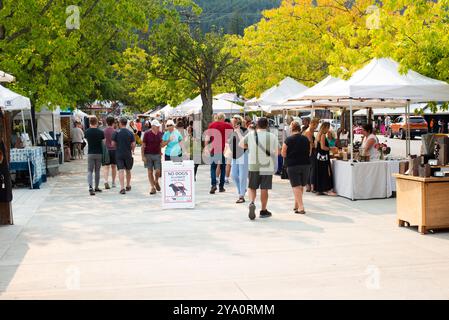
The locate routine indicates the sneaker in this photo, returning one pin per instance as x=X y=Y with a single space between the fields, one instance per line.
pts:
x=113 y=185
x=213 y=190
x=252 y=211
x=128 y=188
x=158 y=187
x=107 y=186
x=222 y=190
x=123 y=191
x=227 y=181
x=265 y=214
x=98 y=190
x=91 y=192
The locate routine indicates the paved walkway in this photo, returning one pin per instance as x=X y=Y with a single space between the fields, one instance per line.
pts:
x=67 y=245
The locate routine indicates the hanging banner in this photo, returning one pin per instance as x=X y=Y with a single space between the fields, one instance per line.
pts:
x=178 y=185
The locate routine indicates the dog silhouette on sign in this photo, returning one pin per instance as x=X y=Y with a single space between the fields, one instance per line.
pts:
x=178 y=190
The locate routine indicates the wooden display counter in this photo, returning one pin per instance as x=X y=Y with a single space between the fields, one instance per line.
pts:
x=422 y=202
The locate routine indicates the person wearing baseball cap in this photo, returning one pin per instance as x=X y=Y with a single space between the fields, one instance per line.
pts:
x=151 y=155
x=172 y=140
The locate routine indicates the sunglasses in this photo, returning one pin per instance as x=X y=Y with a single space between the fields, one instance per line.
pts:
x=169 y=125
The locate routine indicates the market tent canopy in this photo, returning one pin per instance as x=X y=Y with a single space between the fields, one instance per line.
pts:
x=48 y=120
x=232 y=97
x=196 y=105
x=11 y=101
x=276 y=95
x=316 y=89
x=381 y=79
x=345 y=103
x=221 y=106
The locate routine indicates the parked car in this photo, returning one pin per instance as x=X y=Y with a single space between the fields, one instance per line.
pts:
x=335 y=124
x=418 y=127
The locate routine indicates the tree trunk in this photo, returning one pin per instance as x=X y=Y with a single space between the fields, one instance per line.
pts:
x=207 y=110
x=6 y=217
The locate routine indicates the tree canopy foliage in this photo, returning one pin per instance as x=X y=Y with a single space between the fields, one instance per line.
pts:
x=63 y=54
x=309 y=39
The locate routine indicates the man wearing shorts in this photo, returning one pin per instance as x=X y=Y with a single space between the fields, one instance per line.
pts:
x=151 y=155
x=263 y=150
x=94 y=137
x=108 y=132
x=125 y=143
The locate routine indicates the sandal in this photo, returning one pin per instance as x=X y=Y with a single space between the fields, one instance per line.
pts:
x=241 y=200
x=300 y=212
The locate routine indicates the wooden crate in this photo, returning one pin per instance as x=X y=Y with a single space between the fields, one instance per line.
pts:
x=422 y=202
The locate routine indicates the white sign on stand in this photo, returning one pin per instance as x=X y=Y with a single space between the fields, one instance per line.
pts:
x=178 y=190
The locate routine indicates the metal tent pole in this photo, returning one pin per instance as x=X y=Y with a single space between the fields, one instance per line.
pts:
x=351 y=147
x=32 y=128
x=23 y=122
x=407 y=119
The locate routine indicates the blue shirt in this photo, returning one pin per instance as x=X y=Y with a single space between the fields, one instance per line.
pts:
x=173 y=148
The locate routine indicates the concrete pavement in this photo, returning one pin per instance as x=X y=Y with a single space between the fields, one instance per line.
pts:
x=68 y=245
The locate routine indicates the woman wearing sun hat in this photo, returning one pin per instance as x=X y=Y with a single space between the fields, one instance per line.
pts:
x=151 y=155
x=172 y=140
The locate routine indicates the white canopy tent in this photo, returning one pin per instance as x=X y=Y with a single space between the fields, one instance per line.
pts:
x=232 y=97
x=49 y=120
x=12 y=101
x=196 y=105
x=275 y=96
x=221 y=106
x=381 y=79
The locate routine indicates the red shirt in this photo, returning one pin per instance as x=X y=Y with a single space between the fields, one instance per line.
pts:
x=216 y=130
x=152 y=142
x=108 y=137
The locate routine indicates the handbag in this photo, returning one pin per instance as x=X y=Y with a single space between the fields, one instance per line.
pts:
x=284 y=172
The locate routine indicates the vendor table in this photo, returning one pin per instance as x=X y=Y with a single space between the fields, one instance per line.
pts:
x=365 y=180
x=422 y=202
x=30 y=159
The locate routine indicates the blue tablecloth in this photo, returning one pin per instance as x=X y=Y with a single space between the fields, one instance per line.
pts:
x=35 y=156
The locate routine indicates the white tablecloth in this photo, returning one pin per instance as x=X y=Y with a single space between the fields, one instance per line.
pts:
x=365 y=180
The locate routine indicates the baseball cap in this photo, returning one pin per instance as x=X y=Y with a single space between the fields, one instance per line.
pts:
x=155 y=123
x=170 y=123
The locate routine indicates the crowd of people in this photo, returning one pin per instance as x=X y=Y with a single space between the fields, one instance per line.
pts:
x=238 y=148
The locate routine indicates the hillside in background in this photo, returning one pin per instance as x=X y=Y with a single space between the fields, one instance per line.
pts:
x=233 y=16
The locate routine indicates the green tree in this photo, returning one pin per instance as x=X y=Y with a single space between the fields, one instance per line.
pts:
x=57 y=62
x=178 y=52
